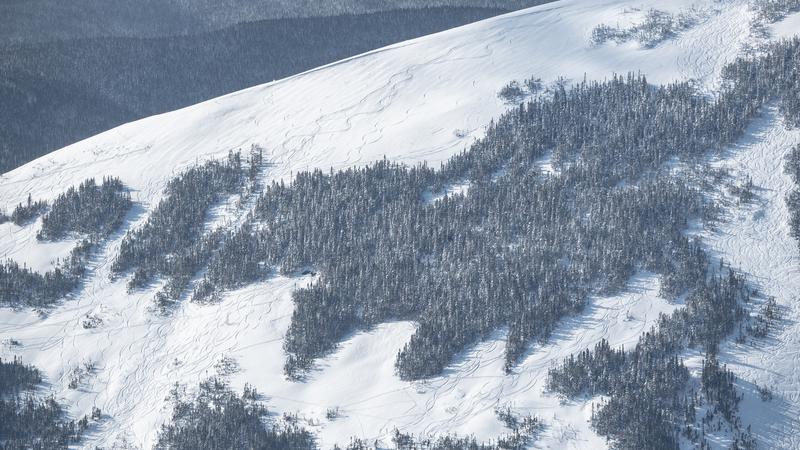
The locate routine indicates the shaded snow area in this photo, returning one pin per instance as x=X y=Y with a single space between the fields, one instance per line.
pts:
x=419 y=101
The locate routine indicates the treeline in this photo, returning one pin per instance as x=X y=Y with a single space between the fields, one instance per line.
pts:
x=90 y=212
x=220 y=419
x=27 y=422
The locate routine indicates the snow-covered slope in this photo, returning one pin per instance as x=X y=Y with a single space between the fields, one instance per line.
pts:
x=757 y=240
x=421 y=100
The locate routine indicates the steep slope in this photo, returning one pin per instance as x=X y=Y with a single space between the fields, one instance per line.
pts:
x=60 y=91
x=422 y=100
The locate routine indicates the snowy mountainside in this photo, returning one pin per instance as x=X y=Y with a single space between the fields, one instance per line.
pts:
x=422 y=100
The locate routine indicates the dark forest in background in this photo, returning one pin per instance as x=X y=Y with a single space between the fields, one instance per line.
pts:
x=61 y=85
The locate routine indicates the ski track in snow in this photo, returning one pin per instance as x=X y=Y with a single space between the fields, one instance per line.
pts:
x=405 y=102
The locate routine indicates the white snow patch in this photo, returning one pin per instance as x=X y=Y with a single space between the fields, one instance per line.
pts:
x=20 y=244
x=545 y=164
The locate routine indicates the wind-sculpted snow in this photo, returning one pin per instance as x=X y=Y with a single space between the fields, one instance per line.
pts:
x=423 y=100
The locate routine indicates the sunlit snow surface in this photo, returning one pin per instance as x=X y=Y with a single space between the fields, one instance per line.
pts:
x=421 y=100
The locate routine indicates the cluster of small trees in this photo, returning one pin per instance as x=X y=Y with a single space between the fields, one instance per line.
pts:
x=773 y=75
x=22 y=286
x=522 y=431
x=762 y=323
x=27 y=422
x=404 y=441
x=655 y=28
x=718 y=388
x=646 y=386
x=88 y=210
x=25 y=212
x=219 y=419
x=15 y=376
x=515 y=92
